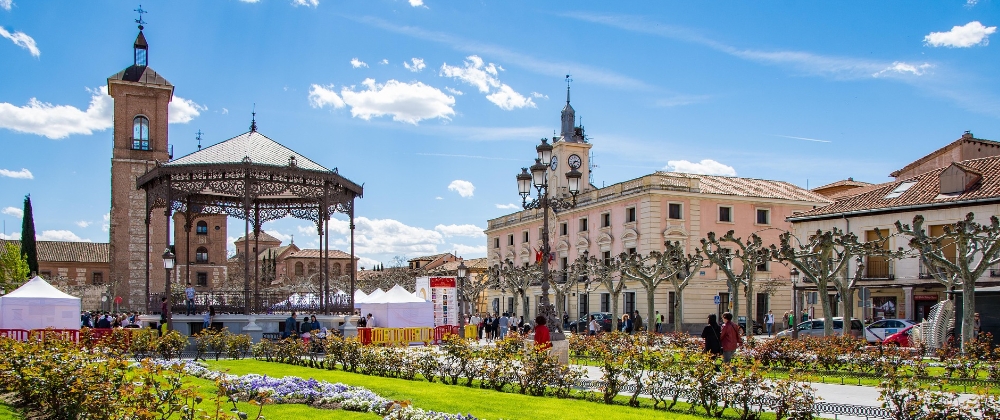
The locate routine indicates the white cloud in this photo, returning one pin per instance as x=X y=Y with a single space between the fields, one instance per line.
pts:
x=250 y=1
x=507 y=99
x=470 y=251
x=705 y=167
x=454 y=91
x=439 y=198
x=406 y=102
x=320 y=96
x=16 y=236
x=463 y=188
x=418 y=64
x=6 y=4
x=22 y=40
x=969 y=35
x=22 y=174
x=539 y=95
x=510 y=206
x=968 y=3
x=472 y=231
x=13 y=211
x=182 y=111
x=384 y=61
x=358 y=63
x=901 y=68
x=285 y=239
x=225 y=111
x=61 y=121
x=307 y=3
x=83 y=223
x=367 y=263
x=106 y=226
x=59 y=235
x=417 y=3
x=388 y=237
x=484 y=77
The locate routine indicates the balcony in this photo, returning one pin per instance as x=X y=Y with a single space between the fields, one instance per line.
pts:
x=878 y=269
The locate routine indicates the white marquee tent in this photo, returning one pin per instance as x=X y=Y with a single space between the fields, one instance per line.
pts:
x=398 y=308
x=37 y=305
x=359 y=296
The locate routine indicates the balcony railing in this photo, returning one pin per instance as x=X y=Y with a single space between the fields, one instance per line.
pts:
x=878 y=268
x=233 y=302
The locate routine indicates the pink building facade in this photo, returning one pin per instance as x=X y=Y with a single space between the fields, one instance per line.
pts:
x=639 y=215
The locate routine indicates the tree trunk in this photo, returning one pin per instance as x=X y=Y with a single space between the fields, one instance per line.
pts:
x=824 y=297
x=749 y=294
x=560 y=303
x=968 y=311
x=650 y=322
x=513 y=311
x=616 y=322
x=734 y=300
x=527 y=310
x=847 y=297
x=678 y=314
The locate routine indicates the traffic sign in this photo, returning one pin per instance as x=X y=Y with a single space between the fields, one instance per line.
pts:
x=718 y=300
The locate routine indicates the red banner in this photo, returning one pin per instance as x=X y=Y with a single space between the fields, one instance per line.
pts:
x=442 y=282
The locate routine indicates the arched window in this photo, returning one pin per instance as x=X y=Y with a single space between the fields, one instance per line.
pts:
x=299 y=269
x=140 y=133
x=201 y=255
x=336 y=269
x=312 y=268
x=201 y=228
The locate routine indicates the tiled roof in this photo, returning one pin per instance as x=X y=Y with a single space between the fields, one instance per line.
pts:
x=274 y=251
x=751 y=187
x=849 y=182
x=262 y=237
x=967 y=137
x=141 y=74
x=925 y=193
x=59 y=251
x=315 y=253
x=476 y=263
x=250 y=145
x=428 y=257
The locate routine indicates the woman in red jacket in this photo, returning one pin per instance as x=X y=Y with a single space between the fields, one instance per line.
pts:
x=730 y=337
x=542 y=339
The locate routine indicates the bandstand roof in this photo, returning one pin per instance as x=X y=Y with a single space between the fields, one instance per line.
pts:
x=257 y=147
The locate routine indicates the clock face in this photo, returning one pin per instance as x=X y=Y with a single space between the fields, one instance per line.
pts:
x=574 y=161
x=555 y=162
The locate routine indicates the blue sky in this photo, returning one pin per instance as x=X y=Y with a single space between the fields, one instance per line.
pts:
x=435 y=106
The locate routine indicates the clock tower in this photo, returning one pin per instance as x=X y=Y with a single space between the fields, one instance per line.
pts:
x=141 y=98
x=569 y=151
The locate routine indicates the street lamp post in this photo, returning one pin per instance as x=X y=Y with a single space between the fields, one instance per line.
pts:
x=794 y=274
x=545 y=201
x=462 y=272
x=168 y=264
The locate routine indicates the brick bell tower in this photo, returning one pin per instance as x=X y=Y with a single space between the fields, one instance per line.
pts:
x=141 y=99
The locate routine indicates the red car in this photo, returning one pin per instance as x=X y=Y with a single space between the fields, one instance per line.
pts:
x=901 y=338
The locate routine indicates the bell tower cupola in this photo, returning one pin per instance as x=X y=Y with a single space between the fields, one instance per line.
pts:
x=568 y=116
x=141 y=49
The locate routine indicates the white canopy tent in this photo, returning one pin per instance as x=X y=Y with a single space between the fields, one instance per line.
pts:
x=37 y=305
x=359 y=296
x=398 y=308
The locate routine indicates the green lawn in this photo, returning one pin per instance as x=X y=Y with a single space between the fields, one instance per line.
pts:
x=455 y=398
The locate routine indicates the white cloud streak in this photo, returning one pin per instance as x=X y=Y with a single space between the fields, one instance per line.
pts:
x=306 y=3
x=182 y=111
x=405 y=102
x=484 y=77
x=83 y=223
x=462 y=187
x=6 y=4
x=705 y=167
x=416 y=66
x=22 y=174
x=358 y=63
x=804 y=138
x=969 y=35
x=510 y=206
x=13 y=211
x=417 y=3
x=15 y=236
x=22 y=40
x=471 y=231
x=59 y=235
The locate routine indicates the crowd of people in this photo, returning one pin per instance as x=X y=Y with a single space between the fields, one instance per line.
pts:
x=491 y=326
x=105 y=319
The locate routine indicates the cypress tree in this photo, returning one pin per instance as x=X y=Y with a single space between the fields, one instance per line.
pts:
x=28 y=248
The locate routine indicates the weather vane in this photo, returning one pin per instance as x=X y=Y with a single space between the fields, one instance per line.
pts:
x=253 y=118
x=198 y=137
x=139 y=20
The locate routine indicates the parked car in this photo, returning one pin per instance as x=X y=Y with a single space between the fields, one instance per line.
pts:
x=580 y=325
x=880 y=330
x=814 y=328
x=901 y=338
x=758 y=329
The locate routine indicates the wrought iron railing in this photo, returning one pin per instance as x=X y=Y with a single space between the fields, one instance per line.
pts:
x=235 y=302
x=878 y=268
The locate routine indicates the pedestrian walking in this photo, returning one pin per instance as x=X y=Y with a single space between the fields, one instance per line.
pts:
x=504 y=323
x=189 y=295
x=636 y=322
x=729 y=337
x=290 y=326
x=712 y=336
x=659 y=321
x=626 y=325
x=593 y=326
x=769 y=322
